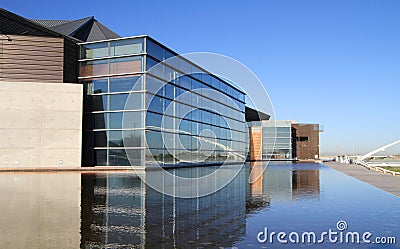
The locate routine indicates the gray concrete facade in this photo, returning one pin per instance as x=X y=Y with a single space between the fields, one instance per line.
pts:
x=40 y=124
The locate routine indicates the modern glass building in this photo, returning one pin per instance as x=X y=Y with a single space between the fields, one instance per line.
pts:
x=144 y=104
x=276 y=140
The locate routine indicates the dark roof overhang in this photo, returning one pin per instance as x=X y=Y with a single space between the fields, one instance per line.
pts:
x=254 y=115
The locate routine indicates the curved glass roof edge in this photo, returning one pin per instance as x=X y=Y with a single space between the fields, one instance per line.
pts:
x=170 y=50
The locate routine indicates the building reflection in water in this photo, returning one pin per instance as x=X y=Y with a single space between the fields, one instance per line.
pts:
x=305 y=184
x=40 y=210
x=111 y=210
x=276 y=182
x=120 y=210
x=257 y=188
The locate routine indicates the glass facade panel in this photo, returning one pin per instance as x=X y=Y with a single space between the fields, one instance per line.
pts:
x=100 y=138
x=100 y=120
x=125 y=84
x=118 y=101
x=154 y=139
x=202 y=126
x=133 y=120
x=118 y=157
x=153 y=120
x=133 y=138
x=276 y=139
x=95 y=50
x=98 y=102
x=99 y=86
x=93 y=68
x=115 y=120
x=126 y=65
x=155 y=50
x=125 y=47
x=101 y=157
x=115 y=139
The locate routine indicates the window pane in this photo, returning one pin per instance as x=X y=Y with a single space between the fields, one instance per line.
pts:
x=133 y=120
x=153 y=85
x=93 y=68
x=118 y=101
x=156 y=103
x=128 y=46
x=101 y=157
x=151 y=66
x=154 y=139
x=185 y=126
x=135 y=156
x=126 y=65
x=283 y=129
x=133 y=138
x=185 y=141
x=100 y=139
x=100 y=120
x=156 y=155
x=115 y=120
x=155 y=50
x=125 y=84
x=169 y=91
x=134 y=101
x=99 y=102
x=153 y=119
x=117 y=157
x=115 y=139
x=100 y=86
x=96 y=50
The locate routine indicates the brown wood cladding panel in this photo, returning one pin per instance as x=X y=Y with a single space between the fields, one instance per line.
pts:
x=39 y=39
x=12 y=63
x=25 y=70
x=255 y=143
x=31 y=58
x=30 y=78
x=17 y=48
x=310 y=148
x=30 y=66
x=28 y=58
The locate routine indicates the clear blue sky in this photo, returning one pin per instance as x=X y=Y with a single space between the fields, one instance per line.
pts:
x=333 y=62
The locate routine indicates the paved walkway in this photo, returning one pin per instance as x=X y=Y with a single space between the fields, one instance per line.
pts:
x=380 y=180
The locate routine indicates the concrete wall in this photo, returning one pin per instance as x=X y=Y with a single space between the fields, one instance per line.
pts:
x=40 y=124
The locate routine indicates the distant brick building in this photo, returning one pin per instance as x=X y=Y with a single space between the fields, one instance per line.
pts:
x=283 y=140
x=305 y=141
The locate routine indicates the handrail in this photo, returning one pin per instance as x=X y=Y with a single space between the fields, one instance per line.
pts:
x=362 y=158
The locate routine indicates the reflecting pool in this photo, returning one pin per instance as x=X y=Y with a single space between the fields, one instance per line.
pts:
x=117 y=210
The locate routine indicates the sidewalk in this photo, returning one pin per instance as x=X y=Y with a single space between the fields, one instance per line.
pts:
x=380 y=180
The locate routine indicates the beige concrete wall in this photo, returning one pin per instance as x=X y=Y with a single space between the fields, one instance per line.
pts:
x=40 y=124
x=40 y=210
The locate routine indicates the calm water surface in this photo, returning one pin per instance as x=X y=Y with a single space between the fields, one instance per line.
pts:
x=117 y=210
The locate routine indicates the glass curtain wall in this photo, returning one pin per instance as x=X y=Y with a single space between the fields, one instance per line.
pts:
x=207 y=127
x=277 y=140
x=110 y=71
x=202 y=126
